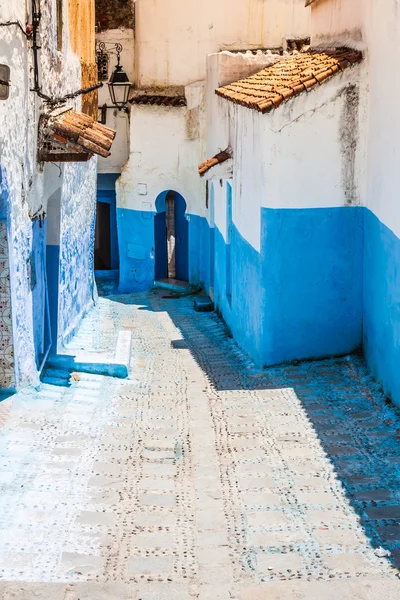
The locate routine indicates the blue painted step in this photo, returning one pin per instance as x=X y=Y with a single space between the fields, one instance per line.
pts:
x=203 y=304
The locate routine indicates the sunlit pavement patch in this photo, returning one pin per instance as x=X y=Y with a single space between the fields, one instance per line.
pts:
x=198 y=476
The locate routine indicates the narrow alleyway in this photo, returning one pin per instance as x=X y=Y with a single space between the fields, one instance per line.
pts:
x=199 y=477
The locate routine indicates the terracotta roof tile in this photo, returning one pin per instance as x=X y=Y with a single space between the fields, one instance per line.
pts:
x=289 y=77
x=219 y=158
x=159 y=100
x=67 y=135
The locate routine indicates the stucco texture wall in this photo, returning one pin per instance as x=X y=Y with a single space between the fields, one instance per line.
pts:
x=296 y=237
x=166 y=146
x=116 y=119
x=382 y=239
x=173 y=38
x=78 y=212
x=30 y=185
x=81 y=21
x=338 y=20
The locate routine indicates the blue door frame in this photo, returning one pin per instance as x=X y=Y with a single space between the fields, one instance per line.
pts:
x=181 y=239
x=109 y=197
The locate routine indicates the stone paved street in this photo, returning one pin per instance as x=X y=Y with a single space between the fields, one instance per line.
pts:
x=199 y=477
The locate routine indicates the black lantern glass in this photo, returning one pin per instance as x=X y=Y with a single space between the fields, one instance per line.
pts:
x=119 y=84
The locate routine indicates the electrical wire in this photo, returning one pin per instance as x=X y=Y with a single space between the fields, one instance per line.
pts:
x=19 y=25
x=36 y=18
x=70 y=96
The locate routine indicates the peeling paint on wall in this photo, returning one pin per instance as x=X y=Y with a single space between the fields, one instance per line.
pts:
x=81 y=20
x=31 y=184
x=349 y=135
x=7 y=376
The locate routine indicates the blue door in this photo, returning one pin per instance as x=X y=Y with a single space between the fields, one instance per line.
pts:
x=160 y=246
x=181 y=239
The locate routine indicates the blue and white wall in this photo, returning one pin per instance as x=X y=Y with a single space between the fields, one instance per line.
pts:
x=171 y=45
x=166 y=142
x=30 y=186
x=377 y=25
x=382 y=214
x=295 y=241
x=7 y=375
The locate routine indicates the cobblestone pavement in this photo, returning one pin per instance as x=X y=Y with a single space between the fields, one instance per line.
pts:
x=199 y=477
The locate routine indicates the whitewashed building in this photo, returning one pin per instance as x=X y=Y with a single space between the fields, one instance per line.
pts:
x=305 y=213
x=169 y=43
x=284 y=209
x=377 y=26
x=47 y=196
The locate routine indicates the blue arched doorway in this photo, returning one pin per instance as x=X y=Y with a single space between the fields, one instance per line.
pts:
x=171 y=237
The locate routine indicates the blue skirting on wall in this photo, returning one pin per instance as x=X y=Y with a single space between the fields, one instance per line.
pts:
x=301 y=296
x=382 y=304
x=136 y=249
x=325 y=281
x=53 y=274
x=312 y=277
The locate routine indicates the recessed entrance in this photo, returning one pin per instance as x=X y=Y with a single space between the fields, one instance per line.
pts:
x=106 y=253
x=171 y=244
x=102 y=249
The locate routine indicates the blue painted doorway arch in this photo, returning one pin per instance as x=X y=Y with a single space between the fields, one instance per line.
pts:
x=181 y=254
x=181 y=239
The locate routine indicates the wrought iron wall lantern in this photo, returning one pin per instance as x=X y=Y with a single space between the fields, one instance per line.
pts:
x=119 y=85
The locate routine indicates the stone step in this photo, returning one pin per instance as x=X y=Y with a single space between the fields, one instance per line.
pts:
x=203 y=304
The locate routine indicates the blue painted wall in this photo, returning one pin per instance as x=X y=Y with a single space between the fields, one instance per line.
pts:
x=201 y=251
x=76 y=287
x=4 y=195
x=301 y=296
x=243 y=310
x=181 y=239
x=382 y=303
x=37 y=267
x=7 y=362
x=25 y=255
x=53 y=277
x=312 y=277
x=137 y=245
x=136 y=249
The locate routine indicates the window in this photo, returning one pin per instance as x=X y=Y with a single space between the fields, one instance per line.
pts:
x=59 y=24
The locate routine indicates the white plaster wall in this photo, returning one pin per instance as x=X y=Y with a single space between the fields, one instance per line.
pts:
x=224 y=68
x=378 y=24
x=174 y=37
x=298 y=156
x=220 y=216
x=382 y=28
x=30 y=185
x=166 y=147
x=117 y=120
x=338 y=19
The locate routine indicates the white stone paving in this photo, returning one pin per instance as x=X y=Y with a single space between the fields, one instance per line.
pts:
x=188 y=480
